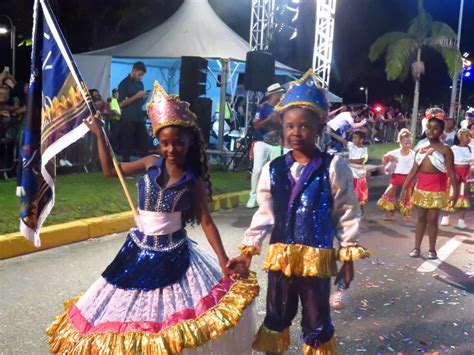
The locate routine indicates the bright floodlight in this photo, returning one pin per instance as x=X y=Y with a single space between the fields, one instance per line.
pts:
x=362 y=88
x=3 y=30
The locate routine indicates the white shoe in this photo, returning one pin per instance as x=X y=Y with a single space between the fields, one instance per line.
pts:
x=461 y=224
x=445 y=221
x=252 y=202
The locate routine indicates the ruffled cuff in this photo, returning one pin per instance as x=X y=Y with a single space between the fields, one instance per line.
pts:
x=352 y=253
x=249 y=250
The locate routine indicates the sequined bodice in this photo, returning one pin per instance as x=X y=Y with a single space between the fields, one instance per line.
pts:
x=151 y=197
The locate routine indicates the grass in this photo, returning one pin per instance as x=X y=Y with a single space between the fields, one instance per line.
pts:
x=90 y=195
x=377 y=151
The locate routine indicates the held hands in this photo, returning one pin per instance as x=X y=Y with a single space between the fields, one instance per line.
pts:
x=240 y=264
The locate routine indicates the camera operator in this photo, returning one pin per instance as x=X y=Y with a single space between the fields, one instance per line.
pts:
x=344 y=120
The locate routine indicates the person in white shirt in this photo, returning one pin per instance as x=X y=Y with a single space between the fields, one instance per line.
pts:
x=463 y=162
x=469 y=118
x=339 y=124
x=449 y=134
x=398 y=163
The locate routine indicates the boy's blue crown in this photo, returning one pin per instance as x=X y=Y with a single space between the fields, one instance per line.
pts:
x=305 y=93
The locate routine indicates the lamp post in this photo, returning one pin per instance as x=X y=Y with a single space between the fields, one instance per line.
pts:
x=366 y=91
x=12 y=31
x=457 y=73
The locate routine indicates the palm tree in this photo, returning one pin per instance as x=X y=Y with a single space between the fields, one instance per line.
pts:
x=403 y=51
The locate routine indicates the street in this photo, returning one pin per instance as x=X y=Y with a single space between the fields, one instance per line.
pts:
x=395 y=305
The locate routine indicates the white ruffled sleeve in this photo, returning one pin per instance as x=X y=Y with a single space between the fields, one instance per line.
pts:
x=263 y=219
x=346 y=212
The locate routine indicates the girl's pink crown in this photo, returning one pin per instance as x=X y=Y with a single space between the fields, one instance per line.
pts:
x=168 y=110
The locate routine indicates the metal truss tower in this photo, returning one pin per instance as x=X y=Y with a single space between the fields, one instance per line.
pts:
x=261 y=23
x=323 y=40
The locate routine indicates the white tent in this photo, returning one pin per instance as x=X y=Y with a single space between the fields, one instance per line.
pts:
x=194 y=30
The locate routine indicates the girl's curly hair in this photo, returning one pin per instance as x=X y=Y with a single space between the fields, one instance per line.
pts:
x=196 y=162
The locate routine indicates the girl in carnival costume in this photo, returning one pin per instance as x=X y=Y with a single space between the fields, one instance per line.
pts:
x=398 y=163
x=161 y=293
x=306 y=196
x=357 y=158
x=434 y=162
x=463 y=161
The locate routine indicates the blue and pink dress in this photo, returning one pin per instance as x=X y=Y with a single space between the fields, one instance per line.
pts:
x=161 y=293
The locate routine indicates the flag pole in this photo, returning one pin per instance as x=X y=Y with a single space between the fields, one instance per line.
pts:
x=118 y=170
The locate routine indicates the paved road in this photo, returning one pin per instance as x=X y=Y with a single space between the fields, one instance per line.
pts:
x=392 y=306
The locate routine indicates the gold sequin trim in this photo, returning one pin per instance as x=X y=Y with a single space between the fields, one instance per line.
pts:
x=405 y=209
x=386 y=205
x=462 y=203
x=271 y=341
x=352 y=253
x=300 y=260
x=428 y=199
x=328 y=348
x=249 y=250
x=65 y=339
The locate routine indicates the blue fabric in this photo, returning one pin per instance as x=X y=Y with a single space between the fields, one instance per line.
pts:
x=306 y=92
x=270 y=134
x=302 y=210
x=135 y=268
x=152 y=197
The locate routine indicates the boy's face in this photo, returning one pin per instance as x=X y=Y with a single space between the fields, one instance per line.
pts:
x=300 y=129
x=357 y=140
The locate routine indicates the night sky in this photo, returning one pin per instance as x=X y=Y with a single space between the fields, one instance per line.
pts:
x=358 y=24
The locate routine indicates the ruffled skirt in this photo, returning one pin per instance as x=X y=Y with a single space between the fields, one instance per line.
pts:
x=201 y=309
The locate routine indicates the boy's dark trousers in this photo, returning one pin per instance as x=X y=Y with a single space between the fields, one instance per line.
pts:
x=282 y=305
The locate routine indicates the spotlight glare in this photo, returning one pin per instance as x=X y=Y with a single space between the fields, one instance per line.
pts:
x=3 y=30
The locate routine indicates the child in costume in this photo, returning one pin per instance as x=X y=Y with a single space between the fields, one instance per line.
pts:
x=357 y=158
x=398 y=163
x=306 y=196
x=463 y=160
x=433 y=164
x=162 y=293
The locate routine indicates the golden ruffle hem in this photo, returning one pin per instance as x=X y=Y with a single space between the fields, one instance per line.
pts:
x=328 y=348
x=429 y=200
x=271 y=341
x=300 y=260
x=249 y=250
x=462 y=203
x=352 y=253
x=385 y=205
x=65 y=339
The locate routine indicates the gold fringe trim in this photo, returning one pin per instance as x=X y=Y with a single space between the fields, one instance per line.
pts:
x=300 y=260
x=462 y=203
x=405 y=209
x=328 y=348
x=65 y=339
x=271 y=341
x=249 y=250
x=352 y=253
x=385 y=205
x=428 y=199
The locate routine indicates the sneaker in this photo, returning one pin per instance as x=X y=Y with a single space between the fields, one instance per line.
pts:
x=252 y=202
x=461 y=224
x=445 y=221
x=336 y=300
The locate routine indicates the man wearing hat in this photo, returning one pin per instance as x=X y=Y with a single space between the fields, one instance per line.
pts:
x=267 y=128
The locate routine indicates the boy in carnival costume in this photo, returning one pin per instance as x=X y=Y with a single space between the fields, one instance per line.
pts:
x=307 y=197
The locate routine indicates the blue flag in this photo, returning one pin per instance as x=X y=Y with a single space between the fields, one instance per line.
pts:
x=58 y=102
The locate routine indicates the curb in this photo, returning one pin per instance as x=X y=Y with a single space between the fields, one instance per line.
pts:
x=14 y=244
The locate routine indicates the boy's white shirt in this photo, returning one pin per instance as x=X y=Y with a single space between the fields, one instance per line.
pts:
x=345 y=214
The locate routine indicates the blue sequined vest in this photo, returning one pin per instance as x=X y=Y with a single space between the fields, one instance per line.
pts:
x=302 y=210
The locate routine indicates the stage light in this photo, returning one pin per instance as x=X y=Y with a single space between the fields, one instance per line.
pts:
x=3 y=30
x=467 y=74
